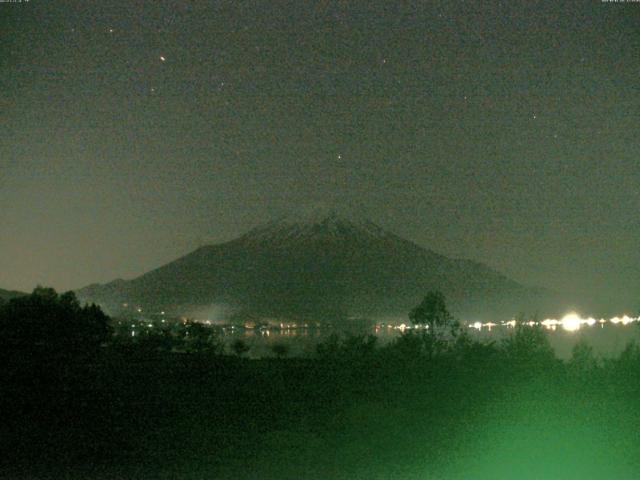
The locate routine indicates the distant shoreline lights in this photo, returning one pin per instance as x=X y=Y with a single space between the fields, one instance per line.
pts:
x=571 y=322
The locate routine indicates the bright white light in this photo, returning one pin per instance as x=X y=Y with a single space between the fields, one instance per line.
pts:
x=571 y=322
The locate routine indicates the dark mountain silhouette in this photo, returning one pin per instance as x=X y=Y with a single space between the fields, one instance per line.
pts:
x=9 y=294
x=324 y=266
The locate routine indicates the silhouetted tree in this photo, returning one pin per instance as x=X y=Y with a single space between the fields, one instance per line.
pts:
x=199 y=338
x=432 y=312
x=47 y=320
x=629 y=358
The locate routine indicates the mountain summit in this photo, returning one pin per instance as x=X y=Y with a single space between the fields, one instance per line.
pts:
x=313 y=224
x=321 y=265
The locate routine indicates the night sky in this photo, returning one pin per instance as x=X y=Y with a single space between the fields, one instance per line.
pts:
x=502 y=131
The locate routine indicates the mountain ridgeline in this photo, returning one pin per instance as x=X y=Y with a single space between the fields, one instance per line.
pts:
x=320 y=268
x=6 y=295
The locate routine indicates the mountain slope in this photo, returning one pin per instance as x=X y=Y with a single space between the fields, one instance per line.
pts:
x=9 y=294
x=320 y=267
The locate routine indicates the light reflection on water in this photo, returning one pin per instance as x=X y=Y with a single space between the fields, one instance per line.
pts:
x=608 y=337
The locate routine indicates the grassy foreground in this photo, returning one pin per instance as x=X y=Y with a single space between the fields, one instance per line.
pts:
x=472 y=411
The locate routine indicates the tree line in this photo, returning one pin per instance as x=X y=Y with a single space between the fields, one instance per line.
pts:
x=48 y=322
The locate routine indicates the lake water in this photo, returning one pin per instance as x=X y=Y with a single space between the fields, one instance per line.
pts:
x=607 y=337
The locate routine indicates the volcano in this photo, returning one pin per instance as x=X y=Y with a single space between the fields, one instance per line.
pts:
x=320 y=266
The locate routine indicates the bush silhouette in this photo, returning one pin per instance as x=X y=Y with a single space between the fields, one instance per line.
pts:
x=528 y=347
x=240 y=347
x=280 y=350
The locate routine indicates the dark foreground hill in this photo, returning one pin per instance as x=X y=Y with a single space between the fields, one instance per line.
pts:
x=481 y=412
x=322 y=267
